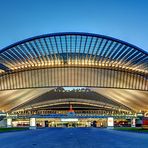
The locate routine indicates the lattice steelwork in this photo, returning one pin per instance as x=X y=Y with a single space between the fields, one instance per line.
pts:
x=73 y=59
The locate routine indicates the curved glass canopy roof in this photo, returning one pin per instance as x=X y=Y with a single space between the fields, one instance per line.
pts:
x=73 y=59
x=73 y=48
x=77 y=53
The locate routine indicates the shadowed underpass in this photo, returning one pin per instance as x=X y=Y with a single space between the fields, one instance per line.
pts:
x=73 y=138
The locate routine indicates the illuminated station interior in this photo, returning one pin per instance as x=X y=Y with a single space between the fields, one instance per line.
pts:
x=73 y=79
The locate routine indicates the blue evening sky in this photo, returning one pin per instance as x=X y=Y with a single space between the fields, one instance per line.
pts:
x=123 y=19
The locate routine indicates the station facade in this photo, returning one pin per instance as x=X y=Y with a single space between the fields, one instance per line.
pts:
x=108 y=77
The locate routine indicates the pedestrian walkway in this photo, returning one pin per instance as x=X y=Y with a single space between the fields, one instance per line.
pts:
x=73 y=138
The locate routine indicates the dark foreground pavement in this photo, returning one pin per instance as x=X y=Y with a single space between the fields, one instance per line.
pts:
x=73 y=138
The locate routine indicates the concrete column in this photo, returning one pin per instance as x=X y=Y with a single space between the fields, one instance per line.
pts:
x=133 y=122
x=110 y=122
x=9 y=122
x=32 y=123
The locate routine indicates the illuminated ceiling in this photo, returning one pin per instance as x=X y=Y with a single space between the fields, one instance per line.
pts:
x=26 y=98
x=82 y=97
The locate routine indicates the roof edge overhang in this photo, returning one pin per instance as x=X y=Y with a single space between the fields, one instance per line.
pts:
x=73 y=33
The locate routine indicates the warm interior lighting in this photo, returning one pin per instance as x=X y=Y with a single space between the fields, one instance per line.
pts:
x=75 y=62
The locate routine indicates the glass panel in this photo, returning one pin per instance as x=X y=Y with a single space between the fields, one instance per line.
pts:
x=78 y=44
x=63 y=43
x=92 y=46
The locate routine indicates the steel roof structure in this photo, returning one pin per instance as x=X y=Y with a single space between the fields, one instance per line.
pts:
x=90 y=98
x=73 y=59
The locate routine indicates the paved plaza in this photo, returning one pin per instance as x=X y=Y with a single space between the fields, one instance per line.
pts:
x=73 y=138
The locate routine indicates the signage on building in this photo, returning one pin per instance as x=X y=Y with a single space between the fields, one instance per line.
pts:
x=69 y=120
x=110 y=121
